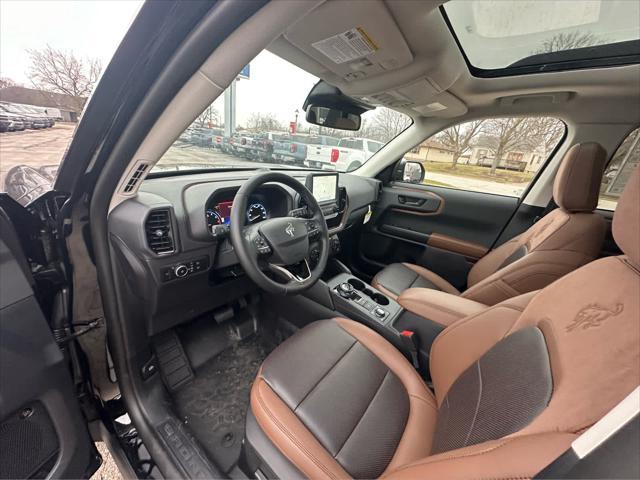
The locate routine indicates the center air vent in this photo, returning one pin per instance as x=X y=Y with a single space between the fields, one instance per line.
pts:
x=158 y=231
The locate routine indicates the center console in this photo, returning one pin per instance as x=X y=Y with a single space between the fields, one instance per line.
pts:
x=411 y=323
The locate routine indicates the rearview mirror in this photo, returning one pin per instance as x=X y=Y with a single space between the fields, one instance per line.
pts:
x=333 y=118
x=327 y=106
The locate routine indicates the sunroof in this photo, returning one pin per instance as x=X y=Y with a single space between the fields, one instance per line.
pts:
x=520 y=36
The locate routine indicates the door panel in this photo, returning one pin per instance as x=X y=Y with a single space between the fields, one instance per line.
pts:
x=42 y=431
x=443 y=229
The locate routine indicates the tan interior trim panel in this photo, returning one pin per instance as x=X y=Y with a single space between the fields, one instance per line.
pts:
x=468 y=249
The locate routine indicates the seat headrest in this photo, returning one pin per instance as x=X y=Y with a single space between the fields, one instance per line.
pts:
x=626 y=219
x=577 y=182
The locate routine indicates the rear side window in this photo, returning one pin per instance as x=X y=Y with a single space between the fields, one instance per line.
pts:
x=496 y=155
x=624 y=161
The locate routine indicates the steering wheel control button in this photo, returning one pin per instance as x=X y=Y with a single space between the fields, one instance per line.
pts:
x=261 y=245
x=301 y=212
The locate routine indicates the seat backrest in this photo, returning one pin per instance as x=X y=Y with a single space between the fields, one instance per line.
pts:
x=560 y=242
x=538 y=369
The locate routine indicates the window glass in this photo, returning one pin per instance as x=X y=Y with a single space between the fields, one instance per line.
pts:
x=624 y=161
x=498 y=155
x=270 y=128
x=498 y=34
x=48 y=70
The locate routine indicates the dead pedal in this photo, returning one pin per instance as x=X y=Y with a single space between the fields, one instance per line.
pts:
x=173 y=362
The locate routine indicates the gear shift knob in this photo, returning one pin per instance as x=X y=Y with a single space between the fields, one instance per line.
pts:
x=345 y=289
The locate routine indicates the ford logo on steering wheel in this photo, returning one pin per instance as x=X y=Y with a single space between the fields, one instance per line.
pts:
x=290 y=230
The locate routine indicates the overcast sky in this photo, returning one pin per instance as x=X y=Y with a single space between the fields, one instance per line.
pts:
x=94 y=28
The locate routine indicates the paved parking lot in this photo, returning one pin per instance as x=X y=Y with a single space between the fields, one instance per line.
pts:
x=35 y=148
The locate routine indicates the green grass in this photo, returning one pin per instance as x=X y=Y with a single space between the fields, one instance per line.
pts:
x=435 y=183
x=474 y=171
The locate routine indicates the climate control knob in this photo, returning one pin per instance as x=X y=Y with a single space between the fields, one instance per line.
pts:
x=181 y=271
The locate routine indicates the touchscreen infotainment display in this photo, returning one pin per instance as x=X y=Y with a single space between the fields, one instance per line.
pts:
x=324 y=187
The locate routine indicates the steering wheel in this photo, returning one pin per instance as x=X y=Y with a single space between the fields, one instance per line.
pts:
x=280 y=245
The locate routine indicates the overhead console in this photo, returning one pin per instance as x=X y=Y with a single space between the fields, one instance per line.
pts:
x=354 y=40
x=381 y=53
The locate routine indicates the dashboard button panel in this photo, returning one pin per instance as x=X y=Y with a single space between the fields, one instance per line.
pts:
x=184 y=269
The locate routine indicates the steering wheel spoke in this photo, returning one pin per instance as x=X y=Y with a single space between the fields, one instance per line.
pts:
x=298 y=273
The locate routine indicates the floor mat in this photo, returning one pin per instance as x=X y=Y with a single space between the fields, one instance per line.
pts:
x=215 y=403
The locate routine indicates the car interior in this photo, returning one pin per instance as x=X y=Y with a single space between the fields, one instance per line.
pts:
x=296 y=323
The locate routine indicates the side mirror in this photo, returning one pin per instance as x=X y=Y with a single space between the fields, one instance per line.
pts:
x=413 y=172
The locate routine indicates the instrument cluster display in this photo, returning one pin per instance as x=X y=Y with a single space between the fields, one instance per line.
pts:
x=220 y=213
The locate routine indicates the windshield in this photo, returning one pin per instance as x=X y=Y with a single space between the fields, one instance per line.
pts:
x=259 y=121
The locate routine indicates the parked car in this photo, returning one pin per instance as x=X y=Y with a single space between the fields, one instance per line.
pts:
x=349 y=154
x=241 y=145
x=263 y=145
x=295 y=149
x=10 y=122
x=203 y=136
x=31 y=118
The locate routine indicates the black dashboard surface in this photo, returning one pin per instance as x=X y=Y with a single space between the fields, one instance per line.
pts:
x=179 y=206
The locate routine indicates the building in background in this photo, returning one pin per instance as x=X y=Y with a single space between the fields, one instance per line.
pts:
x=67 y=107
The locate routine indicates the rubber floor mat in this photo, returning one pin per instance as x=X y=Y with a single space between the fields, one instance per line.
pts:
x=215 y=403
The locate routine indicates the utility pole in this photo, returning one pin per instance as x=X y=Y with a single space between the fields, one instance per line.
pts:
x=230 y=109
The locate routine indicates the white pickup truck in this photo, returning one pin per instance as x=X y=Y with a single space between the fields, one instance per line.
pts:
x=348 y=155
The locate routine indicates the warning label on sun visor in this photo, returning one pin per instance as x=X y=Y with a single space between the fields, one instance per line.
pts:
x=350 y=45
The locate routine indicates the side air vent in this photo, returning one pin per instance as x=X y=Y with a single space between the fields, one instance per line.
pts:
x=135 y=177
x=158 y=231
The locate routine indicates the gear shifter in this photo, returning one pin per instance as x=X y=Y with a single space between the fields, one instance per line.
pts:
x=345 y=290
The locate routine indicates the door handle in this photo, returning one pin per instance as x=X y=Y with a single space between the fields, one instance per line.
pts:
x=413 y=201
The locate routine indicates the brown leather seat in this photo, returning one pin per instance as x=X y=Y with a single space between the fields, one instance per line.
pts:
x=514 y=384
x=565 y=239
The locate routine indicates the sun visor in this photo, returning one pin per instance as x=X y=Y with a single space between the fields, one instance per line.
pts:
x=354 y=40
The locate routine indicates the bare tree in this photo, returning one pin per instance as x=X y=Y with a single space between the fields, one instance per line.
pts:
x=568 y=41
x=545 y=133
x=387 y=124
x=6 y=82
x=263 y=121
x=209 y=118
x=502 y=135
x=458 y=138
x=62 y=72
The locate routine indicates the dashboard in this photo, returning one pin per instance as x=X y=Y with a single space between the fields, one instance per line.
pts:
x=176 y=268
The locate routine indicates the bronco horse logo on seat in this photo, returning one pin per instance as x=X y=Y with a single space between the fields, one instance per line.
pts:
x=593 y=315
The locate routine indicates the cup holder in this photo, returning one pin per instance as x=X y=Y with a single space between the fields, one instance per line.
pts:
x=373 y=295
x=379 y=299
x=357 y=284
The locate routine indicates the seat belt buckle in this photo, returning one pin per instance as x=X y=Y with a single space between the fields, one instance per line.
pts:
x=410 y=342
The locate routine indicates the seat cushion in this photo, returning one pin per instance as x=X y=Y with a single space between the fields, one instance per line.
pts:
x=340 y=401
x=397 y=277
